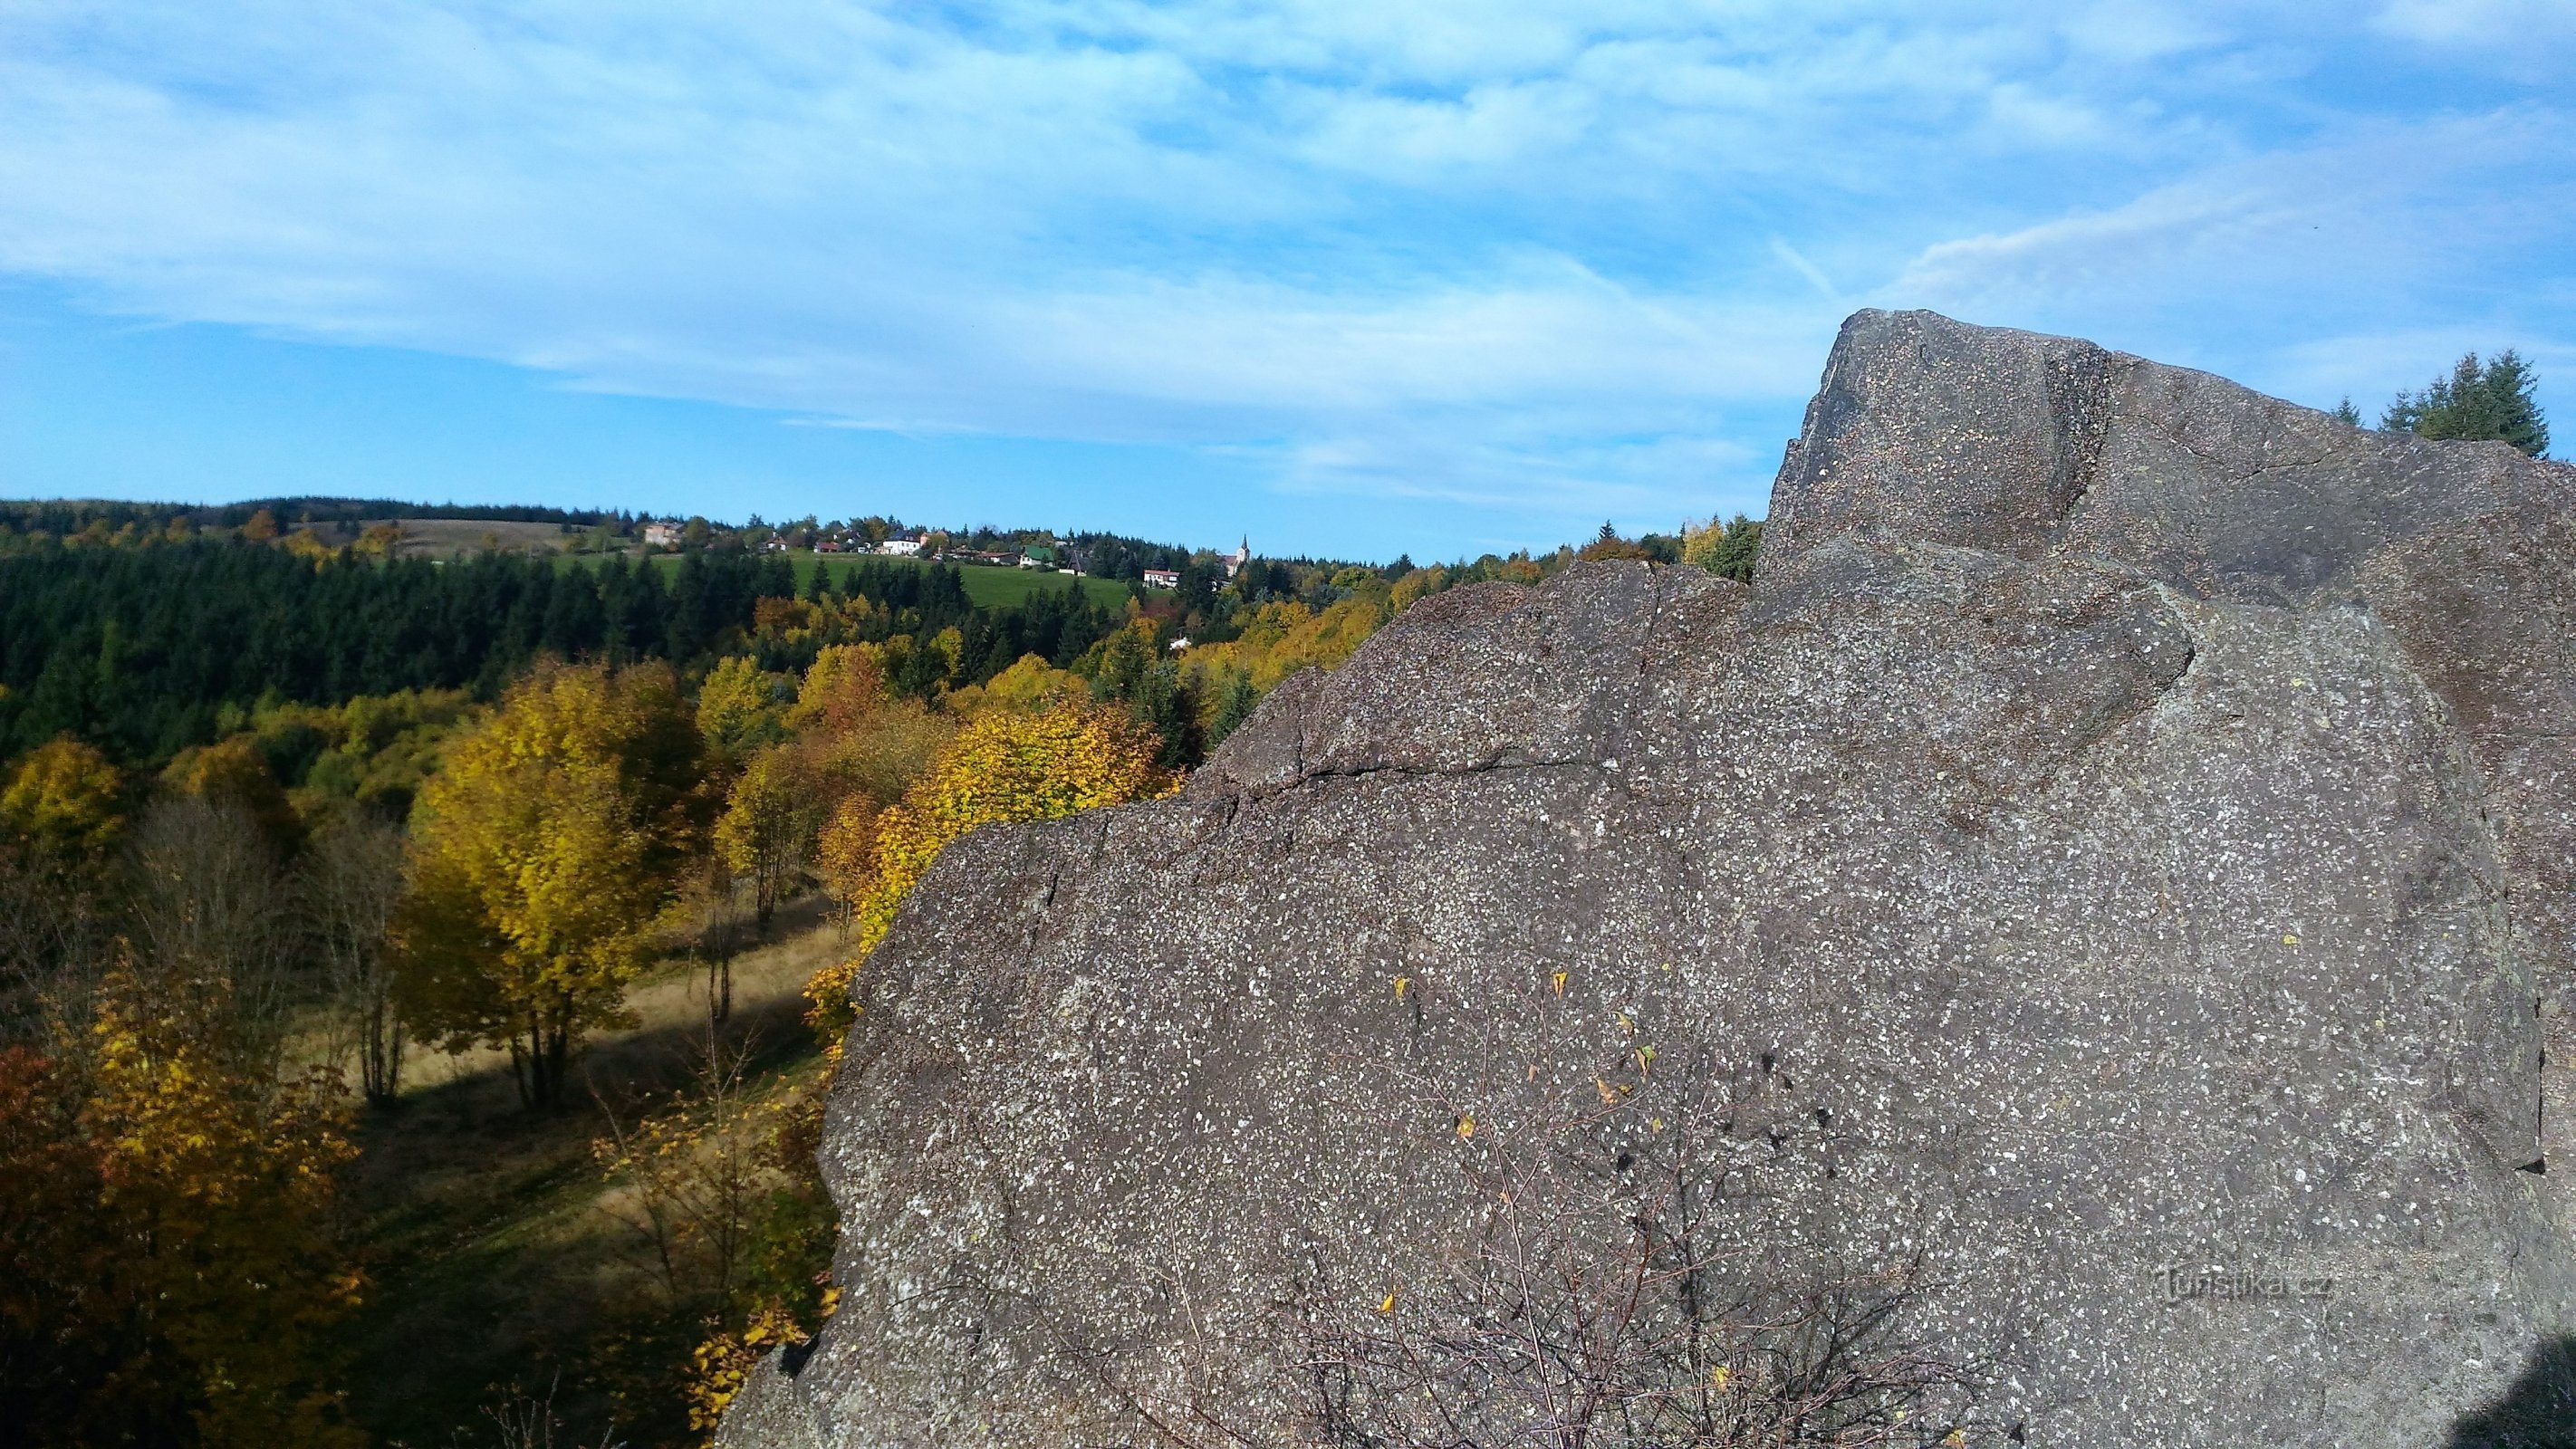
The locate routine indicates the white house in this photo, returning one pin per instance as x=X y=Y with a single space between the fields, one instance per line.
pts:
x=900 y=547
x=1162 y=578
x=663 y=535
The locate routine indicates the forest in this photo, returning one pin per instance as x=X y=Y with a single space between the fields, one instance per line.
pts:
x=418 y=976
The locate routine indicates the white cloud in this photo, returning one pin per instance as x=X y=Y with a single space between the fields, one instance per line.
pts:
x=1496 y=251
x=2378 y=209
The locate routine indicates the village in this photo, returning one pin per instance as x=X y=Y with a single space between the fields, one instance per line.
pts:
x=878 y=537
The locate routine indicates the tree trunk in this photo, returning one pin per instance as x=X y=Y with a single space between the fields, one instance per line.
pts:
x=554 y=1056
x=719 y=986
x=380 y=1055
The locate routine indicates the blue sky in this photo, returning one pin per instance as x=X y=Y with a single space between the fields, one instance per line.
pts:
x=1352 y=277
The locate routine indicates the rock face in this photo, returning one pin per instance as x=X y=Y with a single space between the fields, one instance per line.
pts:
x=2120 y=853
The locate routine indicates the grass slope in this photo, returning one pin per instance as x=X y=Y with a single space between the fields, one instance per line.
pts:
x=495 y=1271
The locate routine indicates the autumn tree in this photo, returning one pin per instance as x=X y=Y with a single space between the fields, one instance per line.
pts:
x=1608 y=544
x=1001 y=767
x=740 y=708
x=709 y=919
x=348 y=883
x=58 y=822
x=54 y=935
x=859 y=748
x=61 y=800
x=769 y=818
x=855 y=737
x=542 y=856
x=845 y=852
x=696 y=1175
x=207 y=912
x=234 y=771
x=58 y=1329
x=1029 y=686
x=1725 y=549
x=169 y=1269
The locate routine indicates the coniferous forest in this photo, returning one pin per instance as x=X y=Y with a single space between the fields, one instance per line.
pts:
x=144 y=650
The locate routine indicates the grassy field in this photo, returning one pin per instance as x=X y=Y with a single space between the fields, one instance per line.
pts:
x=989 y=587
x=496 y=1273
x=458 y=537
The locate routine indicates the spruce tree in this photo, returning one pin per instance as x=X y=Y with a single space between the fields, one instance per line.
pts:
x=2479 y=400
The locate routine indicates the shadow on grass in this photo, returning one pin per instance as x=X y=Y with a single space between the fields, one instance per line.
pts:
x=492 y=1270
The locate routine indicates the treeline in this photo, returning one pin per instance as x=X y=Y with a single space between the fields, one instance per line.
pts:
x=2494 y=399
x=66 y=517
x=149 y=650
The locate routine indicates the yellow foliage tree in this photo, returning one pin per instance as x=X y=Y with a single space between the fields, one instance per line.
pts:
x=1001 y=767
x=845 y=850
x=1700 y=542
x=856 y=737
x=234 y=770
x=769 y=818
x=1283 y=637
x=740 y=708
x=1029 y=686
x=218 y=1186
x=541 y=855
x=842 y=687
x=62 y=799
x=785 y=620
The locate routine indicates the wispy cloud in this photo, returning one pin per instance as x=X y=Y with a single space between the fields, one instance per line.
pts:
x=1535 y=259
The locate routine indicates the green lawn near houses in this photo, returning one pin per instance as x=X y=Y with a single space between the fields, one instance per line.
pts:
x=987 y=587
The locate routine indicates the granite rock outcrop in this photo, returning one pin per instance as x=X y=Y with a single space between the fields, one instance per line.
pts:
x=2117 y=860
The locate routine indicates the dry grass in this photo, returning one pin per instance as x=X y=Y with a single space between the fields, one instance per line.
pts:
x=455 y=537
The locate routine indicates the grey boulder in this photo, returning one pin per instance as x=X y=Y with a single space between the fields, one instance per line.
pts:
x=2109 y=878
